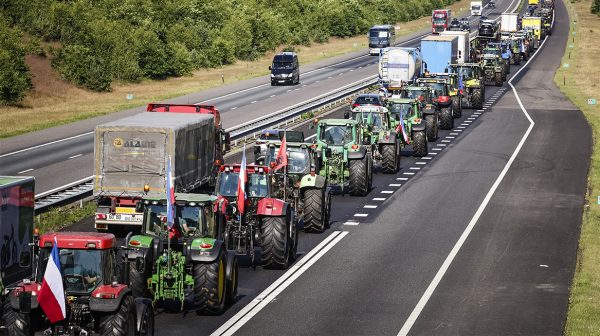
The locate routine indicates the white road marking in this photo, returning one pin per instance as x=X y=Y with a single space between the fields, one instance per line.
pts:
x=387 y=192
x=464 y=124
x=329 y=77
x=408 y=173
x=437 y=149
x=394 y=185
x=351 y=223
x=303 y=85
x=75 y=156
x=381 y=199
x=402 y=178
x=288 y=90
x=318 y=81
x=272 y=96
x=446 y=265
x=460 y=130
x=445 y=140
x=25 y=171
x=449 y=137
x=421 y=163
x=468 y=121
x=360 y=215
x=46 y=144
x=415 y=168
x=253 y=102
x=277 y=287
x=426 y=158
x=369 y=206
x=233 y=108
x=480 y=110
x=442 y=145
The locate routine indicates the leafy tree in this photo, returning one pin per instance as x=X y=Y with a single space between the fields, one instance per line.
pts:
x=15 y=80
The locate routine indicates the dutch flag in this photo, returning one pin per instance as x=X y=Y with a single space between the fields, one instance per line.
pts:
x=241 y=192
x=170 y=195
x=52 y=295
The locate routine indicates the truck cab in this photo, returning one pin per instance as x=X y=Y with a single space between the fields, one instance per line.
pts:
x=285 y=69
x=440 y=20
x=476 y=8
x=382 y=36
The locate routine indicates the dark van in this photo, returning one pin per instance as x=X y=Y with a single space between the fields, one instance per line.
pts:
x=285 y=69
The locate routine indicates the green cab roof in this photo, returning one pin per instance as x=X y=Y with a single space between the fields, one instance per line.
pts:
x=199 y=198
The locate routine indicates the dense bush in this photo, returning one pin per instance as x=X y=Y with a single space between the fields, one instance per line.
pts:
x=596 y=7
x=129 y=40
x=14 y=73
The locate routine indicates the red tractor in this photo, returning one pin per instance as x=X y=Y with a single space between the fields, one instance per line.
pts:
x=441 y=98
x=267 y=222
x=98 y=299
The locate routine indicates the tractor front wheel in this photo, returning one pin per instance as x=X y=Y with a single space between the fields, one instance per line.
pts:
x=210 y=285
x=275 y=243
x=456 y=107
x=419 y=144
x=389 y=158
x=477 y=99
x=446 y=119
x=431 y=127
x=15 y=322
x=121 y=323
x=314 y=211
x=359 y=179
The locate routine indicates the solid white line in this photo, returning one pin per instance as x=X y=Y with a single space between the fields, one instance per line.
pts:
x=453 y=133
x=75 y=156
x=368 y=206
x=446 y=265
x=468 y=121
x=460 y=130
x=434 y=153
x=25 y=171
x=269 y=294
x=480 y=110
x=46 y=144
x=381 y=199
x=360 y=215
x=387 y=192
x=449 y=137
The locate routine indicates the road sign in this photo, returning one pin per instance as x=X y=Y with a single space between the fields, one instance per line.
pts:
x=591 y=101
x=129 y=96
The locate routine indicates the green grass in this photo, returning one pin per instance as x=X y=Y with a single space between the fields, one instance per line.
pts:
x=61 y=217
x=579 y=82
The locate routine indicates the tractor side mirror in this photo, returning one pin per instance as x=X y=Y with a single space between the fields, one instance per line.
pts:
x=25 y=259
x=347 y=115
x=140 y=265
x=226 y=142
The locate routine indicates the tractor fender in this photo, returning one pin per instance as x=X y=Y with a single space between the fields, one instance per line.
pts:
x=420 y=126
x=359 y=154
x=271 y=207
x=427 y=111
x=108 y=305
x=15 y=298
x=309 y=181
x=391 y=139
x=196 y=253
x=141 y=306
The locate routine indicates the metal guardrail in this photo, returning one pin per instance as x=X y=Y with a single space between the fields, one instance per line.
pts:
x=243 y=133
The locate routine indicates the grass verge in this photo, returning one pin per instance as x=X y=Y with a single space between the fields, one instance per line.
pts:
x=64 y=216
x=580 y=81
x=54 y=101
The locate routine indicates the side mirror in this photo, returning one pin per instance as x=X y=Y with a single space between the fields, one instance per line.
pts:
x=140 y=265
x=139 y=206
x=311 y=125
x=226 y=142
x=347 y=115
x=25 y=259
x=270 y=68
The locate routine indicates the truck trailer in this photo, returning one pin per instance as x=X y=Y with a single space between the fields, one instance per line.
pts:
x=17 y=199
x=509 y=22
x=399 y=65
x=439 y=51
x=463 y=45
x=133 y=155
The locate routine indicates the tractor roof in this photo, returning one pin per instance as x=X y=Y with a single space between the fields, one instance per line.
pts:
x=338 y=122
x=79 y=240
x=290 y=144
x=369 y=109
x=401 y=100
x=250 y=169
x=198 y=198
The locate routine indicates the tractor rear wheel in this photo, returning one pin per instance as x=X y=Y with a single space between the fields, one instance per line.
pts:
x=446 y=119
x=15 y=322
x=477 y=99
x=359 y=179
x=419 y=144
x=275 y=243
x=314 y=211
x=138 y=282
x=431 y=127
x=498 y=79
x=210 y=285
x=121 y=323
x=456 y=107
x=232 y=278
x=389 y=159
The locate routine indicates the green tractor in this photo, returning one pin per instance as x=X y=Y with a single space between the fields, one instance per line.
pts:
x=492 y=69
x=342 y=158
x=410 y=121
x=299 y=185
x=379 y=133
x=470 y=83
x=424 y=98
x=165 y=263
x=495 y=49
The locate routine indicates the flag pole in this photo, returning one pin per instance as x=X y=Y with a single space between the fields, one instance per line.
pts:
x=285 y=167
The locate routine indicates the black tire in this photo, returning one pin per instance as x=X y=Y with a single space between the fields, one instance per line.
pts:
x=15 y=322
x=456 y=107
x=121 y=323
x=314 y=212
x=275 y=243
x=419 y=144
x=210 y=285
x=431 y=127
x=292 y=241
x=359 y=179
x=477 y=99
x=498 y=79
x=446 y=119
x=232 y=280
x=137 y=282
x=389 y=159
x=147 y=323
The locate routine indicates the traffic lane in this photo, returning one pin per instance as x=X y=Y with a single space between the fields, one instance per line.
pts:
x=62 y=173
x=370 y=282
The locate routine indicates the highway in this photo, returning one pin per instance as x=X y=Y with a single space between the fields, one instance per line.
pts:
x=477 y=238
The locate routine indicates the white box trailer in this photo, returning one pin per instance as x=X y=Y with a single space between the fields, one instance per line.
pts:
x=463 y=45
x=509 y=22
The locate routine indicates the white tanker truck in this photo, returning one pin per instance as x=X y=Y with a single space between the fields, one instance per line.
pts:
x=399 y=66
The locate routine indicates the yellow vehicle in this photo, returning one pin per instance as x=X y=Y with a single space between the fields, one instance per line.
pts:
x=534 y=2
x=535 y=24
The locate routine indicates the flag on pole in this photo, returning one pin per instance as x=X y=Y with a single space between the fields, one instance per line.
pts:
x=242 y=177
x=170 y=195
x=282 y=159
x=402 y=129
x=460 y=81
x=52 y=295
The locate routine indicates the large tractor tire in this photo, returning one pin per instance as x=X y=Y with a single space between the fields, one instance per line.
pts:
x=359 y=179
x=419 y=144
x=15 y=322
x=275 y=243
x=138 y=282
x=456 y=107
x=121 y=323
x=498 y=79
x=314 y=212
x=446 y=119
x=292 y=241
x=431 y=127
x=477 y=99
x=231 y=273
x=210 y=285
x=389 y=159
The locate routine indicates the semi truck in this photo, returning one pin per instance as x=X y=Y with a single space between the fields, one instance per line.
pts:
x=380 y=37
x=398 y=66
x=133 y=155
x=16 y=218
x=476 y=8
x=463 y=45
x=439 y=51
x=440 y=20
x=534 y=23
x=509 y=22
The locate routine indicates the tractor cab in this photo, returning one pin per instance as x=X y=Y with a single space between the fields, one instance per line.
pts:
x=439 y=88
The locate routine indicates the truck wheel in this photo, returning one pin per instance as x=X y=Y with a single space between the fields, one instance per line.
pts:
x=274 y=243
x=314 y=212
x=121 y=323
x=477 y=99
x=456 y=108
x=358 y=179
x=210 y=285
x=232 y=278
x=431 y=127
x=498 y=79
x=138 y=282
x=389 y=159
x=446 y=119
x=419 y=144
x=15 y=322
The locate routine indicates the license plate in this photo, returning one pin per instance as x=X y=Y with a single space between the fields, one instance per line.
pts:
x=125 y=218
x=281 y=81
x=125 y=210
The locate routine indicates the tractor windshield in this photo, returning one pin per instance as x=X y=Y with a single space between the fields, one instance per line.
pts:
x=336 y=135
x=404 y=109
x=81 y=269
x=415 y=94
x=377 y=120
x=188 y=219
x=465 y=72
x=256 y=186
x=439 y=89
x=298 y=158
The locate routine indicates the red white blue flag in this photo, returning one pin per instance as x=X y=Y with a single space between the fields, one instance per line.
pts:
x=52 y=295
x=170 y=195
x=281 y=160
x=242 y=178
